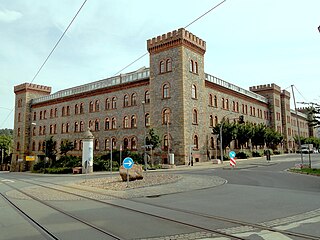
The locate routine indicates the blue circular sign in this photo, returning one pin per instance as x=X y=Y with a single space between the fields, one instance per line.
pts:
x=128 y=163
x=232 y=154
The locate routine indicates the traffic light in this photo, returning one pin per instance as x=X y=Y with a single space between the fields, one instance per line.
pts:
x=241 y=119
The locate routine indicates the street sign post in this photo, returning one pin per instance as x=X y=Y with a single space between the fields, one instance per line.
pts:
x=128 y=164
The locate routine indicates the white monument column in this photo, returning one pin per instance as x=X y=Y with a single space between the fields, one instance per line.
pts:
x=87 y=152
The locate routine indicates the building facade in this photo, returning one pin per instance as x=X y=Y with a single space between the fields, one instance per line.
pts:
x=174 y=96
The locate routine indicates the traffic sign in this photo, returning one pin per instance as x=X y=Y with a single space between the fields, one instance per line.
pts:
x=232 y=154
x=128 y=163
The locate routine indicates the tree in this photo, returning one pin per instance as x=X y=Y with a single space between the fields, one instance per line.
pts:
x=65 y=147
x=154 y=139
x=258 y=138
x=272 y=138
x=244 y=132
x=50 y=150
x=5 y=146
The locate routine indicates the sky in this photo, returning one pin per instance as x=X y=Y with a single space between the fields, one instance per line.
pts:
x=249 y=42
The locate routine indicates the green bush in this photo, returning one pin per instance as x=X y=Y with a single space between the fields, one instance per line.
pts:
x=38 y=166
x=62 y=170
x=242 y=155
x=257 y=154
x=276 y=152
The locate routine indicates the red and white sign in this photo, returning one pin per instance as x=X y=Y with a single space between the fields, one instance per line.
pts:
x=232 y=156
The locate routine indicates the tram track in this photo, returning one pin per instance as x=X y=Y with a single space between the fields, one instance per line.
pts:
x=180 y=211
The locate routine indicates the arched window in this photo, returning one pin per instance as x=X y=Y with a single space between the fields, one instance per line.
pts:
x=68 y=110
x=133 y=143
x=215 y=121
x=147 y=120
x=63 y=111
x=40 y=116
x=222 y=103
x=210 y=100
x=81 y=108
x=107 y=107
x=126 y=122
x=234 y=106
x=133 y=99
x=80 y=145
x=196 y=142
x=237 y=107
x=113 y=123
x=133 y=121
x=106 y=124
x=125 y=143
x=215 y=101
x=35 y=116
x=114 y=103
x=211 y=121
x=168 y=65
x=165 y=142
x=211 y=142
x=194 y=91
x=76 y=145
x=107 y=144
x=165 y=116
x=97 y=106
x=44 y=130
x=56 y=112
x=91 y=124
x=81 y=126
x=162 y=70
x=96 y=144
x=39 y=146
x=114 y=143
x=62 y=128
x=33 y=145
x=91 y=106
x=76 y=109
x=126 y=100
x=76 y=127
x=165 y=91
x=97 y=125
x=195 y=116
x=147 y=97
x=45 y=114
x=191 y=66
x=195 y=67
x=67 y=127
x=227 y=103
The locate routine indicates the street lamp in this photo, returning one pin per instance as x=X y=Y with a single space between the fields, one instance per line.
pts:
x=145 y=135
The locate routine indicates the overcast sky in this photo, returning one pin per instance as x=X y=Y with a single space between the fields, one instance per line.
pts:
x=249 y=42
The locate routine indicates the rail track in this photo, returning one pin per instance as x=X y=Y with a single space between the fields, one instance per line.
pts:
x=154 y=213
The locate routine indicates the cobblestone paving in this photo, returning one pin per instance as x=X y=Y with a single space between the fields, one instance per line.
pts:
x=160 y=185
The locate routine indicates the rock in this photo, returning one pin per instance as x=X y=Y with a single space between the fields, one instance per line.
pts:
x=135 y=173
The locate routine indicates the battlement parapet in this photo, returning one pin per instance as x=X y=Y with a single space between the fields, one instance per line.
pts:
x=265 y=87
x=285 y=93
x=170 y=39
x=33 y=87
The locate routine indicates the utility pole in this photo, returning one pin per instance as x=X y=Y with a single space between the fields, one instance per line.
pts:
x=295 y=108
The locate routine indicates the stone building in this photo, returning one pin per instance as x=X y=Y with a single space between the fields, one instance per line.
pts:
x=174 y=96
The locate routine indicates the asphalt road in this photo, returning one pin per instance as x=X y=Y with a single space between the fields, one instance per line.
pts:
x=255 y=192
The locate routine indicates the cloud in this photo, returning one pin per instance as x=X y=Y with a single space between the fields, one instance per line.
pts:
x=9 y=16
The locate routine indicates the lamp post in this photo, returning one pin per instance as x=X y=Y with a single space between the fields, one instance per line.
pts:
x=144 y=138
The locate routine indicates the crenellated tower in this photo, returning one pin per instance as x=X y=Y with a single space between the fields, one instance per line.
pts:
x=177 y=85
x=22 y=121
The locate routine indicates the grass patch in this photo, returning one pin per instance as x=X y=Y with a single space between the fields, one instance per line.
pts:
x=310 y=171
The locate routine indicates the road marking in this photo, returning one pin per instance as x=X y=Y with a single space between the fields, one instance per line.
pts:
x=7 y=180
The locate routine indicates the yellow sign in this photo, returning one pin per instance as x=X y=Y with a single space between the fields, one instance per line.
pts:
x=30 y=158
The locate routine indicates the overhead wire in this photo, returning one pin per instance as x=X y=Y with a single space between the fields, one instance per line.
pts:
x=51 y=52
